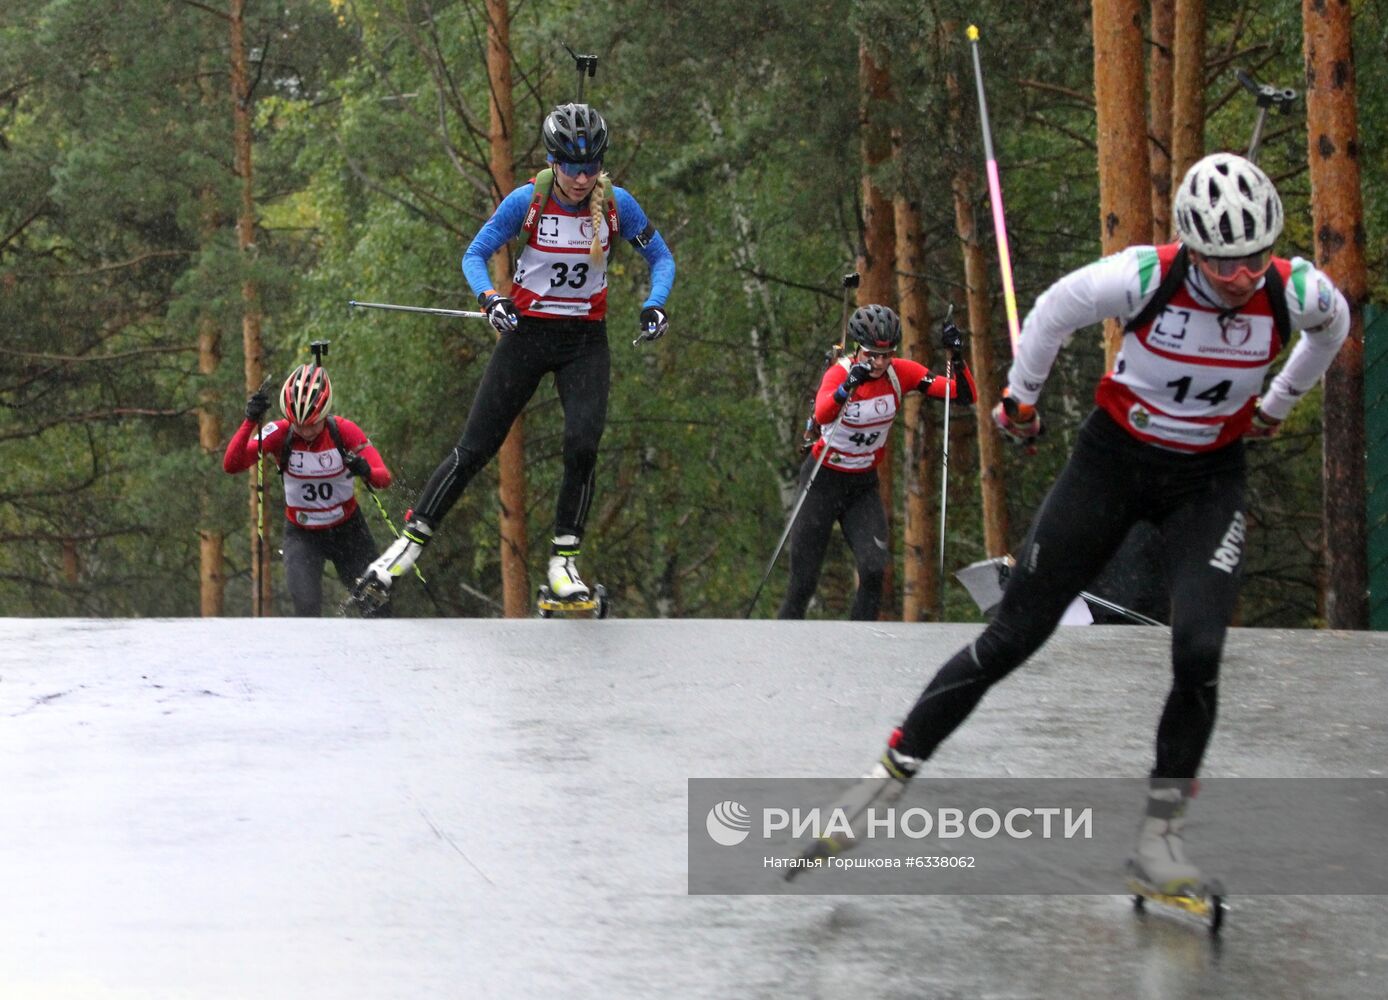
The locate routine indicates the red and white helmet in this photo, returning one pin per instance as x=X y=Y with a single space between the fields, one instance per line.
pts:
x=307 y=396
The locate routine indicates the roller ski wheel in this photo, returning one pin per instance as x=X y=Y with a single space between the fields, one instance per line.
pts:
x=369 y=597
x=596 y=605
x=1205 y=904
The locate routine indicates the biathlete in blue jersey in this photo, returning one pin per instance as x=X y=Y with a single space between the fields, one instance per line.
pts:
x=552 y=320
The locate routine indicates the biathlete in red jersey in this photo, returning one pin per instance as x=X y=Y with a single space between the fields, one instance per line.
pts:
x=318 y=455
x=867 y=390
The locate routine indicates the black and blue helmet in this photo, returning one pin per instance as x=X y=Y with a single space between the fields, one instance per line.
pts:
x=575 y=133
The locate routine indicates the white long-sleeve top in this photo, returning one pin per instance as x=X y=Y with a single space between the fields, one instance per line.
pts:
x=1190 y=379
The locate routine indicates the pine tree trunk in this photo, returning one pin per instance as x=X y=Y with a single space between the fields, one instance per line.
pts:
x=919 y=580
x=1159 y=102
x=252 y=347
x=879 y=253
x=515 y=579
x=1187 y=88
x=1125 y=200
x=1337 y=207
x=211 y=579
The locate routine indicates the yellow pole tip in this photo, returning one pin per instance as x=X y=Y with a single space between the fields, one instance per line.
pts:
x=972 y=32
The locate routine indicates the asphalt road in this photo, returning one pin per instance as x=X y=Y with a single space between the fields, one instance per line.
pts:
x=343 y=809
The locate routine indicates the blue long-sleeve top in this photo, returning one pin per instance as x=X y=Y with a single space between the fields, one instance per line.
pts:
x=505 y=225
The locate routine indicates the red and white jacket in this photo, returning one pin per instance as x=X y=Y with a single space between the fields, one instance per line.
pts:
x=318 y=489
x=860 y=440
x=1190 y=379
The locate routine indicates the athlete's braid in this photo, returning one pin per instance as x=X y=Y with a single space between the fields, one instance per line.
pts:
x=595 y=251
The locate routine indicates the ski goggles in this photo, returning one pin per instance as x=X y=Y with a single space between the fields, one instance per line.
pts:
x=591 y=168
x=878 y=355
x=1255 y=265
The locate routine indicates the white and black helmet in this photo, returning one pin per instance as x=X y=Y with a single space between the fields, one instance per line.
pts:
x=1227 y=207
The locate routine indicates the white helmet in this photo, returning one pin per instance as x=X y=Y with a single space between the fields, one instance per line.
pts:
x=1227 y=207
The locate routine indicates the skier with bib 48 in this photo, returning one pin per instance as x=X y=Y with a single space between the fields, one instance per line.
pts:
x=318 y=455
x=551 y=320
x=857 y=402
x=1163 y=445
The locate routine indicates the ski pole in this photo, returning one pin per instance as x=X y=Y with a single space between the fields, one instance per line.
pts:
x=1268 y=96
x=995 y=197
x=849 y=282
x=395 y=534
x=464 y=314
x=795 y=511
x=257 y=608
x=944 y=457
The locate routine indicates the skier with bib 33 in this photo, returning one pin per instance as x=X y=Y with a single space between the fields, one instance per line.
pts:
x=318 y=455
x=857 y=403
x=552 y=320
x=1205 y=319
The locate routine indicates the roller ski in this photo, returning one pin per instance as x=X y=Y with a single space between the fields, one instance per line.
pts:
x=1159 y=871
x=880 y=788
x=565 y=593
x=371 y=593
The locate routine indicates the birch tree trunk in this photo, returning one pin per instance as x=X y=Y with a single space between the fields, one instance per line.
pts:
x=1337 y=205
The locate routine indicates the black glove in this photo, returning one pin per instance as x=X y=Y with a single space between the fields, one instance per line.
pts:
x=654 y=323
x=359 y=467
x=257 y=406
x=951 y=339
x=501 y=313
x=857 y=375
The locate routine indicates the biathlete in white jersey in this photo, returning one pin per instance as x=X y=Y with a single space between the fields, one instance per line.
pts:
x=1164 y=445
x=865 y=389
x=551 y=320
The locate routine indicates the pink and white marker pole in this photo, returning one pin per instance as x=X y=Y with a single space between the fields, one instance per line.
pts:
x=1014 y=330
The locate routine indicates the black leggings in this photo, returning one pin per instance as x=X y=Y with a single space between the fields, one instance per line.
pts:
x=1111 y=482
x=576 y=352
x=850 y=498
x=350 y=547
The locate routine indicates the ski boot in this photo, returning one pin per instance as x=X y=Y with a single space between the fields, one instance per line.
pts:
x=564 y=592
x=1159 y=870
x=372 y=591
x=880 y=788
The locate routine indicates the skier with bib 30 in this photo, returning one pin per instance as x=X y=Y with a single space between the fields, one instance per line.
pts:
x=1164 y=445
x=552 y=320
x=857 y=403
x=318 y=455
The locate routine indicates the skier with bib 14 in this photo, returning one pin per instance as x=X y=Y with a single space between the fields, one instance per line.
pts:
x=857 y=402
x=1163 y=445
x=551 y=320
x=318 y=455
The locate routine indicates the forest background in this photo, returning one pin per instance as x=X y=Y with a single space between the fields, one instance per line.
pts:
x=153 y=225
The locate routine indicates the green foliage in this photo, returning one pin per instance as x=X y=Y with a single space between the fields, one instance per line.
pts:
x=737 y=128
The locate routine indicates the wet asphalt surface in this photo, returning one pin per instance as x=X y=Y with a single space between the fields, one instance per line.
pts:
x=344 y=809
